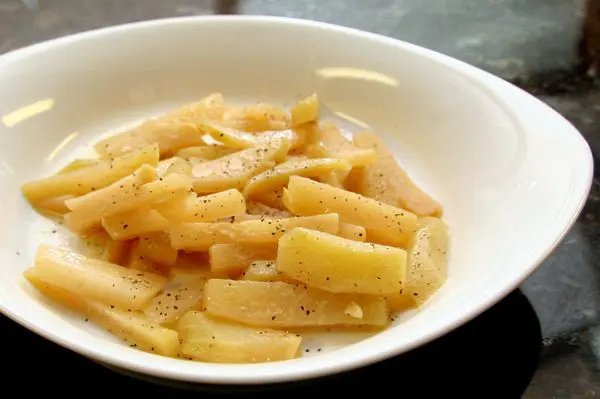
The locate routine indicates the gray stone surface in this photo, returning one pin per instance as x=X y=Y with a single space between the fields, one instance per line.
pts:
x=519 y=40
x=507 y=37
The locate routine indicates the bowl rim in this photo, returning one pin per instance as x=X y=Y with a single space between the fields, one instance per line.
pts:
x=287 y=371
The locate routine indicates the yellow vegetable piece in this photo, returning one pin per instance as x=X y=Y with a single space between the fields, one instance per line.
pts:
x=176 y=208
x=212 y=340
x=207 y=208
x=104 y=198
x=169 y=134
x=233 y=171
x=157 y=248
x=306 y=110
x=427 y=268
x=94 y=244
x=385 y=181
x=141 y=262
x=227 y=136
x=122 y=196
x=282 y=305
x=276 y=177
x=85 y=180
x=352 y=232
x=273 y=199
x=237 y=139
x=265 y=270
x=311 y=138
x=201 y=236
x=333 y=179
x=179 y=166
x=130 y=325
x=116 y=251
x=136 y=329
x=399 y=301
x=175 y=300
x=54 y=206
x=210 y=107
x=95 y=279
x=192 y=266
x=131 y=224
x=147 y=266
x=357 y=156
x=205 y=153
x=232 y=259
x=57 y=294
x=257 y=117
x=261 y=210
x=307 y=197
x=335 y=144
x=336 y=264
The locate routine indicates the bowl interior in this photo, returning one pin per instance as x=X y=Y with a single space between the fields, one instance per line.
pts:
x=511 y=174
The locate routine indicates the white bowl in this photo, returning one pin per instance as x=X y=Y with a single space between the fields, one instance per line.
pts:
x=512 y=173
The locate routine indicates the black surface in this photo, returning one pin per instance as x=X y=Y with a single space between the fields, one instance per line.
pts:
x=494 y=356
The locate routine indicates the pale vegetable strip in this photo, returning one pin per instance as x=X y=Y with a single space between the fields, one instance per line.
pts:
x=306 y=110
x=265 y=270
x=207 y=208
x=336 y=264
x=169 y=135
x=212 y=340
x=338 y=146
x=54 y=206
x=427 y=266
x=95 y=279
x=236 y=139
x=276 y=177
x=130 y=325
x=170 y=131
x=156 y=248
x=307 y=197
x=88 y=210
x=116 y=251
x=95 y=177
x=179 y=166
x=257 y=117
x=234 y=258
x=201 y=236
x=385 y=181
x=205 y=153
x=233 y=171
x=273 y=199
x=352 y=232
x=131 y=224
x=259 y=210
x=174 y=301
x=278 y=305
x=103 y=200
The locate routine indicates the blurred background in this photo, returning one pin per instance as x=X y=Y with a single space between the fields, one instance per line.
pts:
x=550 y=48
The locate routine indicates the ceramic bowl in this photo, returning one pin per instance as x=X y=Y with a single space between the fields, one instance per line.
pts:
x=512 y=174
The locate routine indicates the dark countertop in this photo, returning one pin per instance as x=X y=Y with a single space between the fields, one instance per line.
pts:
x=533 y=43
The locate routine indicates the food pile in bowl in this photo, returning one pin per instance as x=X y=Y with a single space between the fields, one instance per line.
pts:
x=222 y=233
